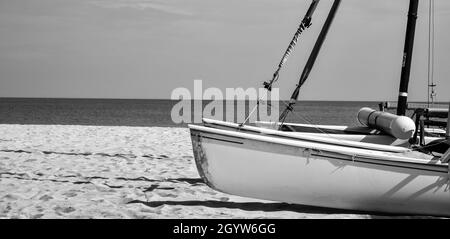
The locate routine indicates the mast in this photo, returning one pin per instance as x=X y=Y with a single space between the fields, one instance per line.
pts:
x=407 y=57
x=448 y=123
x=312 y=58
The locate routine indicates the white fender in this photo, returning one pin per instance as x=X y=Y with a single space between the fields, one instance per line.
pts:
x=400 y=127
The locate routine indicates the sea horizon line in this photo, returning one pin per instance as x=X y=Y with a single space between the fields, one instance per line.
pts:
x=168 y=99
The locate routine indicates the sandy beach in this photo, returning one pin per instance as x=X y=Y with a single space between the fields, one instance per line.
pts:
x=56 y=171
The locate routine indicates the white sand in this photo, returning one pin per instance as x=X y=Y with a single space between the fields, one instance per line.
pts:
x=55 y=171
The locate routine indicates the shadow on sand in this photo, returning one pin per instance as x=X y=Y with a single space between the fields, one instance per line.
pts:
x=265 y=207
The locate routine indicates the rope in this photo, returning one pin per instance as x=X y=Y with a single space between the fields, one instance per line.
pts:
x=287 y=53
x=251 y=113
x=305 y=23
x=258 y=102
x=309 y=121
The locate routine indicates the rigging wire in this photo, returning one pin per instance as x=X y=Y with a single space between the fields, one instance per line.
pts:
x=311 y=60
x=431 y=49
x=304 y=24
x=309 y=121
x=314 y=125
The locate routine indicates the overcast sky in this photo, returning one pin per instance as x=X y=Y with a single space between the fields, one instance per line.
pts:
x=147 y=48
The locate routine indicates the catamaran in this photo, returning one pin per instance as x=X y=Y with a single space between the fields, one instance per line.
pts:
x=390 y=164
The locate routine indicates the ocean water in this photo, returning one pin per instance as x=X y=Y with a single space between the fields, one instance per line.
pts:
x=129 y=112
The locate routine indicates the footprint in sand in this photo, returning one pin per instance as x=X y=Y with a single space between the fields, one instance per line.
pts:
x=30 y=160
x=46 y=198
x=70 y=194
x=11 y=197
x=167 y=194
x=37 y=216
x=39 y=209
x=64 y=210
x=150 y=156
x=162 y=156
x=151 y=188
x=6 y=209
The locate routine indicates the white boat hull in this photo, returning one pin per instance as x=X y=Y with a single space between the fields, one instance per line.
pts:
x=298 y=172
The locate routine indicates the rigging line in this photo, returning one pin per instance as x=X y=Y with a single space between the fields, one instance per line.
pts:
x=336 y=138
x=251 y=112
x=305 y=23
x=431 y=50
x=258 y=102
x=315 y=126
x=311 y=60
x=305 y=118
x=429 y=55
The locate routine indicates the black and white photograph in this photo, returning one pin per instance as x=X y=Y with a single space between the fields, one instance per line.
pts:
x=224 y=109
